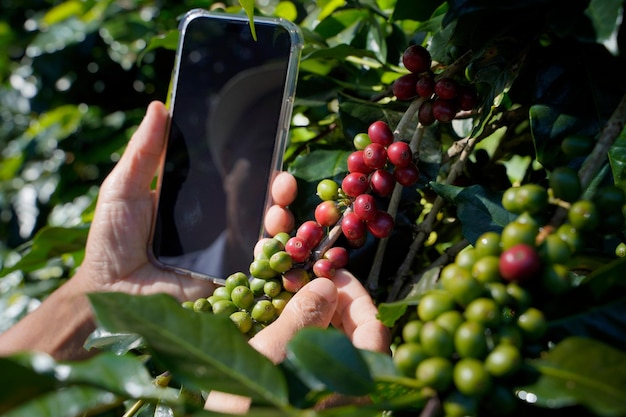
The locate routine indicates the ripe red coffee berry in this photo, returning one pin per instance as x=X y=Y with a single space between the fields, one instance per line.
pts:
x=404 y=87
x=381 y=225
x=519 y=263
x=425 y=113
x=446 y=88
x=416 y=59
x=467 y=97
x=375 y=155
x=357 y=164
x=425 y=86
x=298 y=249
x=399 y=154
x=382 y=182
x=295 y=279
x=311 y=232
x=364 y=207
x=338 y=256
x=352 y=227
x=324 y=268
x=380 y=132
x=355 y=184
x=444 y=110
x=327 y=213
x=406 y=175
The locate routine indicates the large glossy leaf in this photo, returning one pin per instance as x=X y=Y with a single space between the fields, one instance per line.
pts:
x=50 y=242
x=478 y=209
x=320 y=164
x=203 y=350
x=29 y=376
x=325 y=359
x=581 y=371
x=70 y=401
x=617 y=158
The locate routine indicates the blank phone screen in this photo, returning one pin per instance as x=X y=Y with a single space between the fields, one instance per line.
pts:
x=226 y=106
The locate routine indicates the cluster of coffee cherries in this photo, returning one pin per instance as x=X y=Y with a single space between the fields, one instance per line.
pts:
x=444 y=96
x=279 y=269
x=374 y=168
x=469 y=335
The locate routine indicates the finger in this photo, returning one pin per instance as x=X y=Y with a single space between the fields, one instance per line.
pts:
x=284 y=189
x=356 y=314
x=312 y=306
x=136 y=169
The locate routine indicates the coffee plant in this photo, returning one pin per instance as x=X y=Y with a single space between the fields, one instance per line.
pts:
x=464 y=159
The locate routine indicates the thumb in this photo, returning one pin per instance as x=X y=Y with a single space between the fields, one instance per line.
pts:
x=312 y=306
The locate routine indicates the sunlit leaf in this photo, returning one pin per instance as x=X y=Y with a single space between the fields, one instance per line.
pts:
x=320 y=164
x=581 y=371
x=205 y=351
x=248 y=6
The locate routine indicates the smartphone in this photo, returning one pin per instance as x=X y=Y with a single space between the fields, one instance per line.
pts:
x=230 y=103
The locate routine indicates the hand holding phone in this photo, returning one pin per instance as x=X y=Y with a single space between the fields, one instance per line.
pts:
x=230 y=108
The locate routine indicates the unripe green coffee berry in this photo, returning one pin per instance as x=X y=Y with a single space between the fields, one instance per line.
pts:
x=188 y=305
x=243 y=297
x=280 y=301
x=281 y=262
x=435 y=372
x=282 y=237
x=256 y=285
x=224 y=307
x=221 y=293
x=503 y=360
x=271 y=246
x=234 y=280
x=411 y=331
x=201 y=305
x=261 y=268
x=263 y=311
x=272 y=288
x=242 y=320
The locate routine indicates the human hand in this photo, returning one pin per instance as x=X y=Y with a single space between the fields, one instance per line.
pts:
x=116 y=257
x=342 y=302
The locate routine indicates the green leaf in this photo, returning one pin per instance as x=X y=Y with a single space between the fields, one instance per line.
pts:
x=479 y=209
x=48 y=243
x=118 y=343
x=70 y=401
x=248 y=6
x=617 y=159
x=325 y=359
x=320 y=164
x=205 y=351
x=605 y=16
x=412 y=10
x=581 y=371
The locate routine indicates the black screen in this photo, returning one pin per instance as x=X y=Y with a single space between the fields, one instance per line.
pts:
x=226 y=107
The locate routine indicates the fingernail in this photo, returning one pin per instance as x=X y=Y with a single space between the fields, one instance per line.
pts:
x=324 y=288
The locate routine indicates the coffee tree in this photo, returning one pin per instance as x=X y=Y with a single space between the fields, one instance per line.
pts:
x=463 y=158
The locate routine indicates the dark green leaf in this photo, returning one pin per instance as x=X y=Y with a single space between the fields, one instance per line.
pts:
x=49 y=243
x=20 y=383
x=604 y=15
x=410 y=9
x=205 y=351
x=617 y=158
x=581 y=371
x=70 y=401
x=325 y=359
x=320 y=164
x=478 y=209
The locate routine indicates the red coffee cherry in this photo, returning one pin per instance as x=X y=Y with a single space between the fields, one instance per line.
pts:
x=298 y=249
x=375 y=156
x=467 y=97
x=404 y=87
x=425 y=113
x=382 y=182
x=327 y=213
x=446 y=88
x=324 y=268
x=380 y=132
x=416 y=59
x=353 y=227
x=381 y=225
x=357 y=164
x=406 y=175
x=364 y=207
x=519 y=263
x=425 y=86
x=338 y=256
x=355 y=183
x=444 y=110
x=399 y=154
x=311 y=232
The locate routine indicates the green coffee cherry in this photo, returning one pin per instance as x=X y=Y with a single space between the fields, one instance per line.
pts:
x=242 y=320
x=272 y=288
x=261 y=268
x=221 y=293
x=236 y=279
x=243 y=297
x=263 y=311
x=201 y=305
x=224 y=307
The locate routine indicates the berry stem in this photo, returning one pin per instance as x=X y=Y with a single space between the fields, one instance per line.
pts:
x=392 y=209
